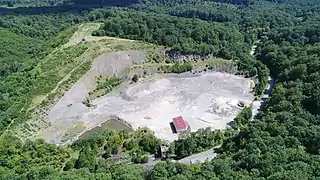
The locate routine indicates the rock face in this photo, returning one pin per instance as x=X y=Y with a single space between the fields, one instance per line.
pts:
x=63 y=116
x=182 y=58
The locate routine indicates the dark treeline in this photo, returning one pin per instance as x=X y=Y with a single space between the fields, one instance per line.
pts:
x=12 y=3
x=297 y=2
x=104 y=2
x=41 y=27
x=282 y=143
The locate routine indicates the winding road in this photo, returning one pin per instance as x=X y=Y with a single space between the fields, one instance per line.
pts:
x=257 y=104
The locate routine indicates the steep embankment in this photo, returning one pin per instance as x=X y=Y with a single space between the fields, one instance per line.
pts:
x=64 y=114
x=62 y=68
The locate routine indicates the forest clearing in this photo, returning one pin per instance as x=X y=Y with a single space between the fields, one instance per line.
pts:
x=211 y=103
x=159 y=89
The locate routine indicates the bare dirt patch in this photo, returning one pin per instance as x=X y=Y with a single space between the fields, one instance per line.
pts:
x=83 y=34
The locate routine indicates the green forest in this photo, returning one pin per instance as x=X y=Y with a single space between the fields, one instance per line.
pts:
x=282 y=143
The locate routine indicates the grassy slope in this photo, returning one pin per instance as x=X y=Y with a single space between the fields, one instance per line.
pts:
x=60 y=69
x=18 y=56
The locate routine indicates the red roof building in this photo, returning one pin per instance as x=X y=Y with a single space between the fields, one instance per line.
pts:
x=180 y=124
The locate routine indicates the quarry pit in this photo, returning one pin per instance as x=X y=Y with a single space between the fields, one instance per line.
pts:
x=204 y=100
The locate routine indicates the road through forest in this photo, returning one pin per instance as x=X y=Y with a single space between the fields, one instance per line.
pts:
x=257 y=104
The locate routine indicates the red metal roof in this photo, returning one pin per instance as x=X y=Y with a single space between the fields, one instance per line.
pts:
x=180 y=123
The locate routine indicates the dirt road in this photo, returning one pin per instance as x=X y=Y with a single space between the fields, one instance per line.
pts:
x=256 y=105
x=208 y=155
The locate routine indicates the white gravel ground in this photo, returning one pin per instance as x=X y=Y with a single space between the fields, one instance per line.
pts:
x=206 y=100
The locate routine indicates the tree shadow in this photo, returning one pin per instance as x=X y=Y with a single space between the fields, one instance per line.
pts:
x=174 y=131
x=231 y=124
x=72 y=6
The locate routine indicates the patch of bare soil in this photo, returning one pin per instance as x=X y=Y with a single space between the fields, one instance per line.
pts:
x=83 y=34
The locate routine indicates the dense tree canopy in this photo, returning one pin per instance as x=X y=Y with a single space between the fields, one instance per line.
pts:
x=186 y=36
x=281 y=143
